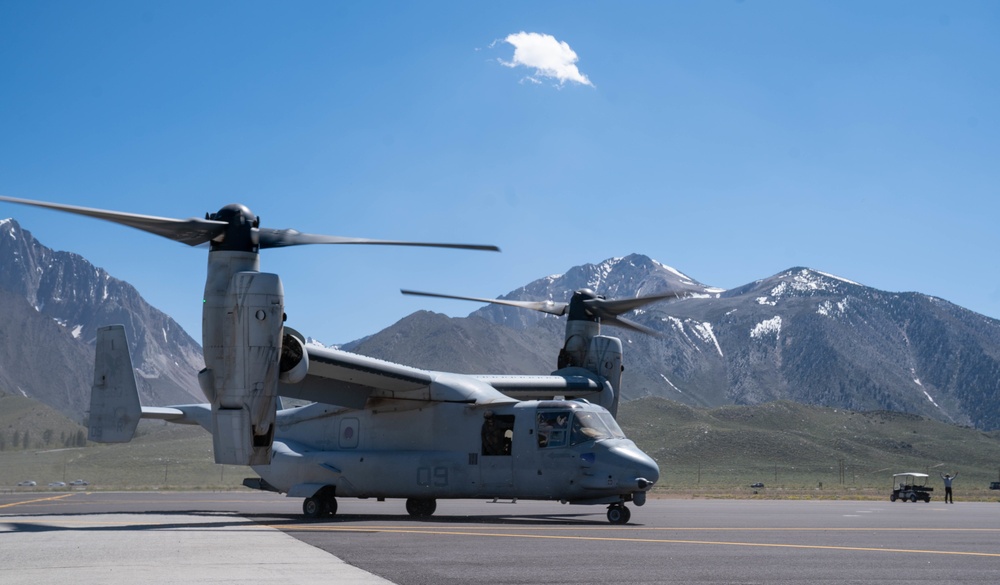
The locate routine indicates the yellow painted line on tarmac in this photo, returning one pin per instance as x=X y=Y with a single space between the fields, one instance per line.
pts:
x=401 y=530
x=11 y=505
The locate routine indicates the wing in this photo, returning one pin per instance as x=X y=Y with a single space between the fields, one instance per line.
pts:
x=346 y=379
x=569 y=383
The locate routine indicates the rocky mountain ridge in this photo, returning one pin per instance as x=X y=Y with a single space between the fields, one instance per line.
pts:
x=800 y=335
x=51 y=304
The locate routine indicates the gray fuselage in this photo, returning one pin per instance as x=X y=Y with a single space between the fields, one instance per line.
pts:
x=549 y=450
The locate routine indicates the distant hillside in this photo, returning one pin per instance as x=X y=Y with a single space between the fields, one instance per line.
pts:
x=786 y=431
x=787 y=442
x=29 y=425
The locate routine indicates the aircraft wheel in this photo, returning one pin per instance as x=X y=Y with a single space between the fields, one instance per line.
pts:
x=421 y=507
x=312 y=507
x=618 y=514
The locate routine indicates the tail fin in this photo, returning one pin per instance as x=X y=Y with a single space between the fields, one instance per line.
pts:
x=114 y=399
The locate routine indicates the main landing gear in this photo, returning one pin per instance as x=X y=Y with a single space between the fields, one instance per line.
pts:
x=324 y=504
x=618 y=514
x=321 y=504
x=421 y=507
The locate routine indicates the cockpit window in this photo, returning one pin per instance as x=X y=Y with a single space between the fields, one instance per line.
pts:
x=592 y=426
x=552 y=428
x=616 y=431
x=558 y=428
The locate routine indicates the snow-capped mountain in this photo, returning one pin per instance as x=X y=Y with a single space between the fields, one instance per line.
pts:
x=635 y=275
x=802 y=335
x=51 y=304
x=820 y=339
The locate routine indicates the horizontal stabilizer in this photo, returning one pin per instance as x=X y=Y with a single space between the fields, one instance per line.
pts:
x=167 y=413
x=114 y=397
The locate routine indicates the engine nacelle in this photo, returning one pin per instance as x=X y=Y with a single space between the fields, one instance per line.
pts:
x=579 y=333
x=604 y=358
x=242 y=380
x=294 y=364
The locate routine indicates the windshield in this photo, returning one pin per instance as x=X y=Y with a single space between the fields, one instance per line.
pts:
x=592 y=426
x=616 y=431
x=558 y=428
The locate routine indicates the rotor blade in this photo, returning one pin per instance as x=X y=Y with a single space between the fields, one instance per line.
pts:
x=550 y=307
x=604 y=308
x=627 y=324
x=272 y=238
x=192 y=231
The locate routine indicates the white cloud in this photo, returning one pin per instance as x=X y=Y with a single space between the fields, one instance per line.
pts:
x=547 y=56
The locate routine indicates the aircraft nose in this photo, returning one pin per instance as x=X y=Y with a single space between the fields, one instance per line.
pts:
x=638 y=463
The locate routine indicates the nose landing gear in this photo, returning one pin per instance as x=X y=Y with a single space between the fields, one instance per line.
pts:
x=618 y=514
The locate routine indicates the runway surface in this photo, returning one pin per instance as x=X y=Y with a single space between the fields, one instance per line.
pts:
x=232 y=537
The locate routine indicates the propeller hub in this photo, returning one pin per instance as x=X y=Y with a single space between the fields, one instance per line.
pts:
x=239 y=233
x=578 y=309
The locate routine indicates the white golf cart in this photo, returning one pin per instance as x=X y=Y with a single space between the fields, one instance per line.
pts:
x=910 y=487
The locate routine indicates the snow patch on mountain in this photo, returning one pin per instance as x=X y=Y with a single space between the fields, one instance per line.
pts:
x=702 y=331
x=667 y=380
x=840 y=278
x=768 y=327
x=804 y=281
x=916 y=381
x=602 y=271
x=710 y=293
x=705 y=333
x=317 y=343
x=829 y=309
x=685 y=279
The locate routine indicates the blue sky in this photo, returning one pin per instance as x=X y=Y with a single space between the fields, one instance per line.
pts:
x=730 y=140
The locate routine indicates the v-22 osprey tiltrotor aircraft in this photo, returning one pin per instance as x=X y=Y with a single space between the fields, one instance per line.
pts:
x=375 y=429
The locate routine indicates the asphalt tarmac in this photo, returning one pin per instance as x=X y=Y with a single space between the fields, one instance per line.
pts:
x=240 y=537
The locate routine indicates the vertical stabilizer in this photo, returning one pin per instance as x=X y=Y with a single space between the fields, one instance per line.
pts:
x=114 y=398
